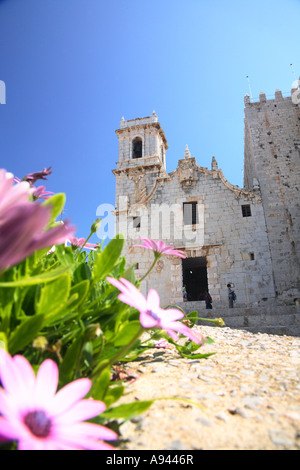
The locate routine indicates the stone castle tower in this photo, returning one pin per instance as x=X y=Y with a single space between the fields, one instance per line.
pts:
x=248 y=237
x=272 y=159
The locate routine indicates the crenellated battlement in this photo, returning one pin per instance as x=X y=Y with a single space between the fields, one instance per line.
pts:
x=293 y=95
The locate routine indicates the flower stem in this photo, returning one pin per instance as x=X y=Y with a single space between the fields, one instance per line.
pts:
x=84 y=244
x=156 y=258
x=120 y=353
x=127 y=347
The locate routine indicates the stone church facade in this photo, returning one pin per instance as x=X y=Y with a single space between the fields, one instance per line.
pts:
x=248 y=237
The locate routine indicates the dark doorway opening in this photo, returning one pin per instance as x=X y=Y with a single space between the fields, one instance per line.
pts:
x=194 y=277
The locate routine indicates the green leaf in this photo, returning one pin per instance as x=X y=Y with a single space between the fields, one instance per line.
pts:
x=129 y=274
x=193 y=317
x=113 y=394
x=127 y=332
x=64 y=254
x=3 y=341
x=106 y=260
x=100 y=385
x=54 y=295
x=82 y=272
x=38 y=279
x=66 y=369
x=88 y=352
x=77 y=294
x=25 y=333
x=127 y=410
x=81 y=291
x=56 y=203
x=196 y=356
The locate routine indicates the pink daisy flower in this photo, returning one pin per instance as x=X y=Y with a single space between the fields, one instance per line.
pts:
x=160 y=248
x=33 y=414
x=81 y=242
x=38 y=175
x=151 y=314
x=40 y=193
x=23 y=232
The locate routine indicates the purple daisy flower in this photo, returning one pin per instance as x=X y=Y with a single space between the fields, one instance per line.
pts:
x=23 y=232
x=151 y=314
x=38 y=175
x=38 y=418
x=160 y=248
x=81 y=242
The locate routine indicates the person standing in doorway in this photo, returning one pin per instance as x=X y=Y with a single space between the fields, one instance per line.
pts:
x=231 y=295
x=208 y=300
x=184 y=294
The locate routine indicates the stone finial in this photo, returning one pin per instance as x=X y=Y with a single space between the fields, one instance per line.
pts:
x=262 y=97
x=154 y=116
x=247 y=99
x=278 y=94
x=187 y=153
x=214 y=164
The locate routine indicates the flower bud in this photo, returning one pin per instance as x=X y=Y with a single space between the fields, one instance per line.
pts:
x=93 y=331
x=95 y=226
x=40 y=343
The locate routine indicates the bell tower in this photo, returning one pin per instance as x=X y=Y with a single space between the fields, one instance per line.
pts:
x=142 y=159
x=139 y=140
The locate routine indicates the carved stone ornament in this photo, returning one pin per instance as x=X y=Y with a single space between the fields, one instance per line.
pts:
x=187 y=172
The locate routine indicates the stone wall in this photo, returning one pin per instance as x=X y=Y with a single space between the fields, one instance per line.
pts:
x=269 y=317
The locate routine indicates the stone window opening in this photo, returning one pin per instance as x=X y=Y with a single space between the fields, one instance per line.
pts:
x=252 y=256
x=137 y=223
x=190 y=213
x=246 y=210
x=137 y=148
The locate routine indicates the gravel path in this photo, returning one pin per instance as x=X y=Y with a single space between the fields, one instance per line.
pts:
x=248 y=392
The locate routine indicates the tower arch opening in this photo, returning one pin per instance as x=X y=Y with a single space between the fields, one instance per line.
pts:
x=137 y=148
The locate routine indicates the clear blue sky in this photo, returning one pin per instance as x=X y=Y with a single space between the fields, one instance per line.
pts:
x=73 y=68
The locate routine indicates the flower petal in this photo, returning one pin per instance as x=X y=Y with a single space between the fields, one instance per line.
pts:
x=46 y=383
x=85 y=409
x=9 y=429
x=147 y=321
x=170 y=314
x=10 y=375
x=68 y=396
x=186 y=331
x=153 y=301
x=90 y=430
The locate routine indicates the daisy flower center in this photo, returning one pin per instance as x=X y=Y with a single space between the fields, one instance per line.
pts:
x=153 y=315
x=38 y=423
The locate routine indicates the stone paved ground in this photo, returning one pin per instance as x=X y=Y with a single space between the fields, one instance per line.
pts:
x=249 y=392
